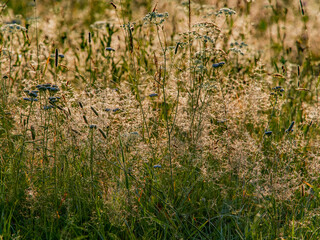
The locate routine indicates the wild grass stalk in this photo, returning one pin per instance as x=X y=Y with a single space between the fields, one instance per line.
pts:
x=92 y=173
x=37 y=36
x=19 y=163
x=166 y=115
x=56 y=64
x=89 y=56
x=191 y=79
x=10 y=65
x=4 y=90
x=134 y=77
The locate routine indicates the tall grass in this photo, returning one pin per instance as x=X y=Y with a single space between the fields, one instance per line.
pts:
x=135 y=123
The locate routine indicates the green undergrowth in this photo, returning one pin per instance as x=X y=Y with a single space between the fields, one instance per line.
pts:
x=169 y=120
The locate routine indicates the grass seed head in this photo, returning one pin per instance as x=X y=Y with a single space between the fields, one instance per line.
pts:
x=95 y=112
x=85 y=119
x=290 y=129
x=102 y=133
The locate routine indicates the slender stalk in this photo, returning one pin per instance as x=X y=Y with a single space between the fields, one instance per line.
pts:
x=191 y=79
x=164 y=51
x=125 y=171
x=18 y=163
x=37 y=37
x=56 y=63
x=91 y=161
x=10 y=62
x=90 y=60
x=223 y=99
x=136 y=83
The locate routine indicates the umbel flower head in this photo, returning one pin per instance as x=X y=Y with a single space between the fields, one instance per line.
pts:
x=51 y=88
x=226 y=12
x=155 y=18
x=32 y=95
x=13 y=28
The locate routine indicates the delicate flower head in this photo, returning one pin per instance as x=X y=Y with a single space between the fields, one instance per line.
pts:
x=155 y=18
x=12 y=28
x=268 y=133
x=33 y=94
x=110 y=49
x=226 y=12
x=53 y=99
x=216 y=65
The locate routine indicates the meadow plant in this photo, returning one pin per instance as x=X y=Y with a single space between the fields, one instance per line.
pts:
x=133 y=123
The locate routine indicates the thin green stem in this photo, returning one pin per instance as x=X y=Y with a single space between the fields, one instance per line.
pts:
x=164 y=50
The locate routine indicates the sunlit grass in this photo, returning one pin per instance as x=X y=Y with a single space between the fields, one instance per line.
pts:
x=169 y=120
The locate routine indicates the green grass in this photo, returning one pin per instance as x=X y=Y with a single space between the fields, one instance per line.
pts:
x=139 y=133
